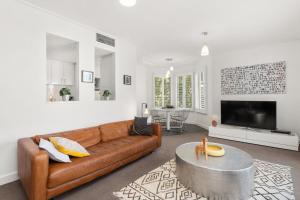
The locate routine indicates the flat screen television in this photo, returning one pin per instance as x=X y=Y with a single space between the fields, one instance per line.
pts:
x=252 y=114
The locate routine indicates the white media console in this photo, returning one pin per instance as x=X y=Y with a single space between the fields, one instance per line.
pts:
x=261 y=137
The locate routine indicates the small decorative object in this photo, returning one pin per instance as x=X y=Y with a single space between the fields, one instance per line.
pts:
x=51 y=98
x=214 y=123
x=107 y=94
x=201 y=148
x=215 y=150
x=127 y=80
x=65 y=94
x=209 y=149
x=87 y=76
x=214 y=120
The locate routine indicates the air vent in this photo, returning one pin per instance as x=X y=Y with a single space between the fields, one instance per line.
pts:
x=105 y=40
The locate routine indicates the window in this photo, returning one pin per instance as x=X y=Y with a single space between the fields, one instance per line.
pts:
x=200 y=91
x=162 y=91
x=184 y=91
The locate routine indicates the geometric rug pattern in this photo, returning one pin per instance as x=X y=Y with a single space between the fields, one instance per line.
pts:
x=272 y=182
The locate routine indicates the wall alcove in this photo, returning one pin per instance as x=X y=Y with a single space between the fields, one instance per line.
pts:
x=62 y=69
x=104 y=75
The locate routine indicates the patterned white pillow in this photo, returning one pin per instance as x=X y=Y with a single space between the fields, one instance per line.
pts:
x=54 y=154
x=69 y=147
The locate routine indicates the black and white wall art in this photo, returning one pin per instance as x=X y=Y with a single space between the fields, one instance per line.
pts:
x=268 y=78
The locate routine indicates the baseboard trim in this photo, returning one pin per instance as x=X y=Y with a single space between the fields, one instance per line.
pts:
x=199 y=124
x=8 y=178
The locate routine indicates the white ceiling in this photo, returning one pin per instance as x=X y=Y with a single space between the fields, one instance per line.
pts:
x=172 y=28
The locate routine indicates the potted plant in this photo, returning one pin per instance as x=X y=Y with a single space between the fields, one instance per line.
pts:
x=106 y=94
x=65 y=94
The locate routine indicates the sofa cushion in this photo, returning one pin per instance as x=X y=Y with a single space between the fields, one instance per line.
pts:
x=69 y=147
x=129 y=145
x=141 y=127
x=102 y=155
x=114 y=130
x=53 y=153
x=86 y=137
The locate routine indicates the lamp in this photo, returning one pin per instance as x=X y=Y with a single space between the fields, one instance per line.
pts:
x=169 y=60
x=168 y=74
x=204 y=50
x=128 y=3
x=146 y=111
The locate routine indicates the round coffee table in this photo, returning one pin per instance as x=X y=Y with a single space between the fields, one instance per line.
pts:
x=228 y=177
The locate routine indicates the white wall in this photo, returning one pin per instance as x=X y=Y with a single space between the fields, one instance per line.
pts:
x=288 y=107
x=141 y=87
x=67 y=54
x=24 y=110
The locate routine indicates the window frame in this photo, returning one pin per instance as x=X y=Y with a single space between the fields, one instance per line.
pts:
x=198 y=93
x=184 y=90
x=163 y=76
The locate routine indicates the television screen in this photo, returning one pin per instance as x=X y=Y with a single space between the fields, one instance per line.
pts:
x=252 y=114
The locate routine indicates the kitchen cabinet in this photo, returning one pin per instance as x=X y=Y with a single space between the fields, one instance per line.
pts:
x=68 y=73
x=60 y=73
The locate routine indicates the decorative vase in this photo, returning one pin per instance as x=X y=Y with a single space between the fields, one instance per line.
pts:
x=66 y=97
x=107 y=98
x=214 y=123
x=214 y=120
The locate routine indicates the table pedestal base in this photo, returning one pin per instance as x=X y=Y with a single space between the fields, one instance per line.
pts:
x=216 y=185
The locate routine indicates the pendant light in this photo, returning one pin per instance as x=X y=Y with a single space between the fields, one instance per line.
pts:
x=171 y=67
x=168 y=74
x=204 y=50
x=128 y=3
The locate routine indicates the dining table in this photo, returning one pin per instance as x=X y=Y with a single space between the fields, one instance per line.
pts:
x=168 y=112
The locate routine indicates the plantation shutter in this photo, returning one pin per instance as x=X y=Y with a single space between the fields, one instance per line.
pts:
x=184 y=91
x=162 y=91
x=200 y=91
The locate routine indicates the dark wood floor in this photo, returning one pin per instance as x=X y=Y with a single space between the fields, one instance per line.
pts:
x=103 y=187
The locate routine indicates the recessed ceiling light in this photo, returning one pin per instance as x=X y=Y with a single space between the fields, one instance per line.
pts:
x=128 y=3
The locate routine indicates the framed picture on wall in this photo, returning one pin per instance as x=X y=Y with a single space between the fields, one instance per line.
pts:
x=127 y=80
x=87 y=76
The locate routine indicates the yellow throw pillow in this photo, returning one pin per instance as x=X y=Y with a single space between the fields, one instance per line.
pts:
x=69 y=147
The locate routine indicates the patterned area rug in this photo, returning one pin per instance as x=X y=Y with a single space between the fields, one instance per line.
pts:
x=272 y=182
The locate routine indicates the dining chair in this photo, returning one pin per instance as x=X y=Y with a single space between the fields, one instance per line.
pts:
x=178 y=118
x=159 y=117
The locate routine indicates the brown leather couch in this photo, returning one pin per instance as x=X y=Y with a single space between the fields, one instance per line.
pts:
x=110 y=146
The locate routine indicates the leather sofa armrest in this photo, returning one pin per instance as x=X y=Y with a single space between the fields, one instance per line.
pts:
x=33 y=166
x=157 y=132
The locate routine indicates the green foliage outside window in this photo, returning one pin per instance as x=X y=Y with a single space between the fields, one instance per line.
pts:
x=162 y=91
x=188 y=92
x=184 y=91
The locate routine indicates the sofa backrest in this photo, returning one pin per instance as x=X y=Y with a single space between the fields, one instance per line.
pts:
x=86 y=137
x=115 y=130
